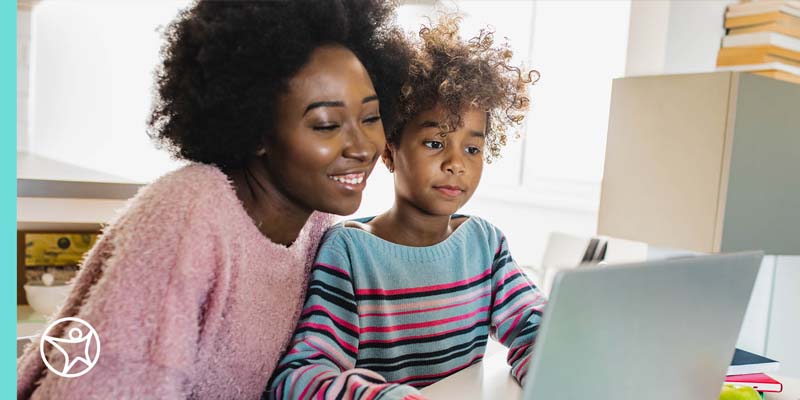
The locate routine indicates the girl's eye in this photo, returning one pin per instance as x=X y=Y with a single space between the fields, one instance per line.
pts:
x=473 y=150
x=373 y=119
x=326 y=127
x=433 y=144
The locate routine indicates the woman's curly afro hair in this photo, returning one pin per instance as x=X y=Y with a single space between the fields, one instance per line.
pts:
x=226 y=62
x=458 y=75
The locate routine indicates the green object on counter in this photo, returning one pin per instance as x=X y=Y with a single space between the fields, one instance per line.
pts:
x=730 y=392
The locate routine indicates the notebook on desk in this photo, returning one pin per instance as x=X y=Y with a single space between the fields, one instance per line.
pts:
x=658 y=330
x=745 y=362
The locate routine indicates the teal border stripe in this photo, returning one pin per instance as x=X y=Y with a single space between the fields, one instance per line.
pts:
x=8 y=195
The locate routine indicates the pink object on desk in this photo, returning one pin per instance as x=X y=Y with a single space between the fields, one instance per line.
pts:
x=760 y=382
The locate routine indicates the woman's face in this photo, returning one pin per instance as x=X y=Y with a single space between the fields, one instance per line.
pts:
x=434 y=172
x=328 y=133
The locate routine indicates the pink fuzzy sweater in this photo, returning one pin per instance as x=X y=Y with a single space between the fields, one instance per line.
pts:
x=188 y=298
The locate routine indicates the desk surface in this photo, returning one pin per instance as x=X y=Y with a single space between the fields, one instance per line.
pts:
x=491 y=379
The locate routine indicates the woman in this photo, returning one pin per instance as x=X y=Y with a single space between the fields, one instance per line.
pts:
x=194 y=291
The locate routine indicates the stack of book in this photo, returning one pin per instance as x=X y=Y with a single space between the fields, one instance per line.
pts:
x=748 y=369
x=764 y=38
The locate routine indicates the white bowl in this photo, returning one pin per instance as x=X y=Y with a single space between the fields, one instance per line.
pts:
x=46 y=299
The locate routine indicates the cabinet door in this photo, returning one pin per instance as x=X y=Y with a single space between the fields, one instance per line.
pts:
x=664 y=159
x=763 y=191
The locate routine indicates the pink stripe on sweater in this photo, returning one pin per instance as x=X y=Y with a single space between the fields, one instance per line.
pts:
x=322 y=389
x=339 y=340
x=310 y=383
x=511 y=292
x=519 y=351
x=423 y=288
x=393 y=340
x=426 y=309
x=511 y=273
x=387 y=308
x=520 y=305
x=510 y=329
x=426 y=324
x=331 y=315
x=521 y=370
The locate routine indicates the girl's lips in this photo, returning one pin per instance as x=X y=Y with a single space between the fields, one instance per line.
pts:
x=449 y=191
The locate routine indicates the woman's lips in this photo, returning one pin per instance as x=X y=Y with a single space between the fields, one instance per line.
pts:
x=352 y=181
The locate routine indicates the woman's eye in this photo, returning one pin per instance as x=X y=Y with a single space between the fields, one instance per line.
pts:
x=326 y=127
x=473 y=150
x=372 y=119
x=433 y=144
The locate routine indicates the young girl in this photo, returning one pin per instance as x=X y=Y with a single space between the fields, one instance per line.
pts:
x=403 y=299
x=195 y=290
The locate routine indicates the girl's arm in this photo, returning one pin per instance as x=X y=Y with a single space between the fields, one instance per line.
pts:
x=517 y=307
x=320 y=360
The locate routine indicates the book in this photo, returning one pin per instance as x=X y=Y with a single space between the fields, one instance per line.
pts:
x=784 y=18
x=745 y=362
x=762 y=38
x=759 y=382
x=784 y=76
x=790 y=28
x=757 y=55
x=761 y=7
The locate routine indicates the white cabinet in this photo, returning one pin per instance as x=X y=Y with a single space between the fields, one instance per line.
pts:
x=704 y=162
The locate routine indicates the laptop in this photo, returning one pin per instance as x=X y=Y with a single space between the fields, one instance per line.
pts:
x=658 y=330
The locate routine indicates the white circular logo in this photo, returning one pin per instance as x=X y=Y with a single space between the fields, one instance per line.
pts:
x=78 y=352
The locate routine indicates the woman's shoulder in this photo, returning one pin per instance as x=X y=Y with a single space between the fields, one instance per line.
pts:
x=178 y=195
x=190 y=182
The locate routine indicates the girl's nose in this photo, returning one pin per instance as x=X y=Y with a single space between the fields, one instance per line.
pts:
x=454 y=164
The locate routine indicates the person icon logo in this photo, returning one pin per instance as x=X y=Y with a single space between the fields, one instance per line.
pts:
x=76 y=354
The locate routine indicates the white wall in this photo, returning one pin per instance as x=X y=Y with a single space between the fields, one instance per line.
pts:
x=675 y=36
x=91 y=84
x=23 y=67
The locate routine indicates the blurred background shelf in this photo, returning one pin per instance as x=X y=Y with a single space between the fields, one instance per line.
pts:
x=53 y=195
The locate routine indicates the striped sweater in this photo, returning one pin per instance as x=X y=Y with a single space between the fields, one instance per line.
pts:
x=382 y=319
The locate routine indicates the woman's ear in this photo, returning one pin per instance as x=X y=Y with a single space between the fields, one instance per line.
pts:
x=262 y=148
x=388 y=156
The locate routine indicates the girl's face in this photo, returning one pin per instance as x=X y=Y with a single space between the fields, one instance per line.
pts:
x=438 y=174
x=328 y=133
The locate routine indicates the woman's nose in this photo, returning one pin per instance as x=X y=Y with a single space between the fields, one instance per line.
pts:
x=360 y=146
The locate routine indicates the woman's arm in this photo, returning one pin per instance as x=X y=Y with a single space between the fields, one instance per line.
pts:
x=142 y=288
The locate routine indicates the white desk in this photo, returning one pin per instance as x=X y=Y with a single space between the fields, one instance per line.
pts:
x=490 y=380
